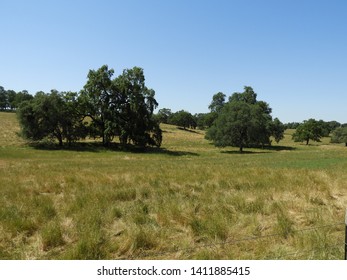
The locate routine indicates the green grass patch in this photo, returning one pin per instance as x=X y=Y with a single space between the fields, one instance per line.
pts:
x=171 y=203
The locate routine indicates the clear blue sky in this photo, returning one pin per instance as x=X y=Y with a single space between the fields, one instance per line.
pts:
x=292 y=52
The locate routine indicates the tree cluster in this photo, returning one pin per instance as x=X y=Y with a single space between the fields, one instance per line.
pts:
x=123 y=107
x=105 y=108
x=10 y=100
x=180 y=118
x=314 y=130
x=243 y=121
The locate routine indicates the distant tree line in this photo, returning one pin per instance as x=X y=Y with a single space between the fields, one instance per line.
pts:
x=105 y=108
x=327 y=127
x=185 y=119
x=314 y=130
x=10 y=100
x=180 y=118
x=123 y=107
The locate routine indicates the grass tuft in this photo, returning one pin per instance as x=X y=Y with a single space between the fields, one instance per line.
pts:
x=52 y=236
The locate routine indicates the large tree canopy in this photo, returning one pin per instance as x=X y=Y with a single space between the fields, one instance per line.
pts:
x=105 y=108
x=51 y=116
x=135 y=109
x=243 y=121
x=97 y=101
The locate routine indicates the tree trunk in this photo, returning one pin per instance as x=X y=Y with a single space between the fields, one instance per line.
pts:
x=60 y=139
x=241 y=148
x=307 y=141
x=59 y=136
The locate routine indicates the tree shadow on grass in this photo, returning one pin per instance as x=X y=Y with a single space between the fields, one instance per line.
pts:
x=75 y=147
x=266 y=149
x=97 y=147
x=280 y=148
x=153 y=150
x=189 y=130
x=243 y=152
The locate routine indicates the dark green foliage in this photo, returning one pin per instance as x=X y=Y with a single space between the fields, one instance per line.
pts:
x=74 y=125
x=216 y=106
x=210 y=118
x=96 y=100
x=105 y=108
x=15 y=99
x=309 y=130
x=291 y=125
x=41 y=117
x=232 y=126
x=136 y=106
x=218 y=101
x=201 y=120
x=325 y=127
x=3 y=99
x=243 y=121
x=339 y=135
x=183 y=119
x=248 y=96
x=164 y=115
x=10 y=100
x=328 y=127
x=333 y=125
x=277 y=129
x=51 y=116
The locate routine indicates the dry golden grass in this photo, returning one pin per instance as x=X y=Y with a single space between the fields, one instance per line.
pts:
x=189 y=200
x=9 y=131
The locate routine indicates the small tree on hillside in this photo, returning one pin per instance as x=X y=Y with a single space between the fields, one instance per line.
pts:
x=183 y=119
x=244 y=122
x=231 y=128
x=308 y=130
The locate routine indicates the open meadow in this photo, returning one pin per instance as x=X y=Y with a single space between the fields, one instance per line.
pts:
x=187 y=200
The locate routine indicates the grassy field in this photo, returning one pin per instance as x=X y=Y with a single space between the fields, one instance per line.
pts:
x=189 y=200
